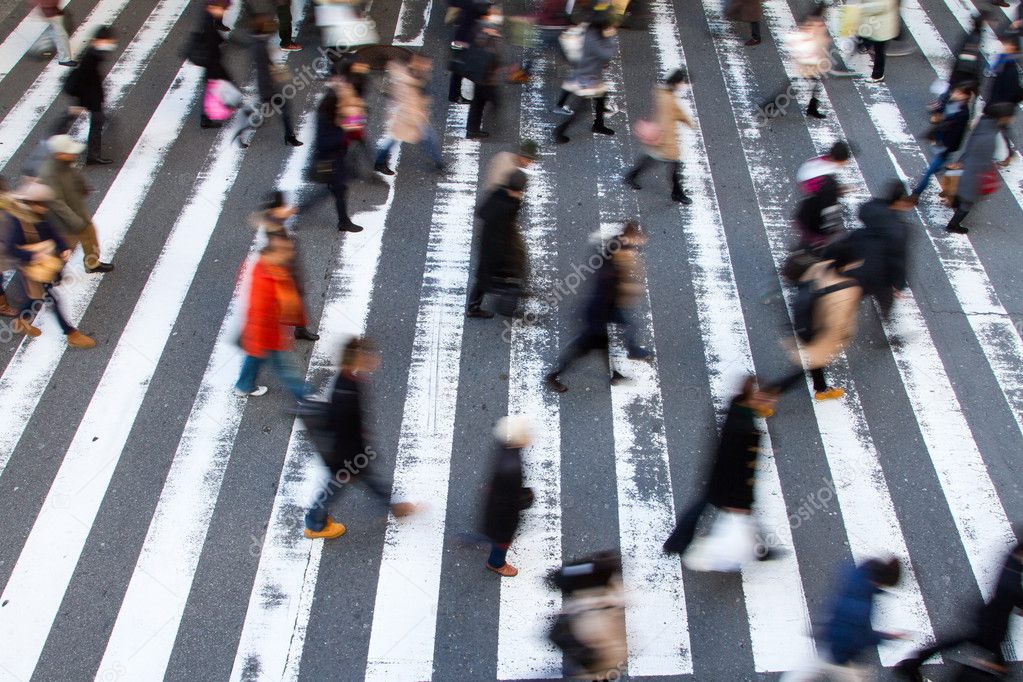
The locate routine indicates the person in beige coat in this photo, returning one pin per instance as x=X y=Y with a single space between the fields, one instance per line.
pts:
x=878 y=23
x=409 y=119
x=835 y=305
x=665 y=143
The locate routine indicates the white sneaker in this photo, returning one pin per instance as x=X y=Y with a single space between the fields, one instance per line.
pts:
x=564 y=111
x=260 y=390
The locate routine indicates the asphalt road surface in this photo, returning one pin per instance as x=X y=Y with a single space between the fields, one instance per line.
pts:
x=151 y=521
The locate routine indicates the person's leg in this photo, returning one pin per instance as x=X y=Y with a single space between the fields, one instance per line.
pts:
x=642 y=163
x=316 y=516
x=933 y=167
x=787 y=382
x=432 y=146
x=289 y=126
x=282 y=364
x=956 y=224
x=51 y=298
x=475 y=296
x=498 y=552
x=563 y=97
x=559 y=132
x=95 y=143
x=379 y=487
x=685 y=529
x=247 y=377
x=454 y=88
x=384 y=151
x=284 y=23
x=60 y=38
x=754 y=29
x=90 y=246
x=339 y=188
x=599 y=109
x=820 y=382
x=678 y=193
x=479 y=101
x=880 y=47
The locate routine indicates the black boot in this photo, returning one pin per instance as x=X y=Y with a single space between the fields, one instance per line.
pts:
x=599 y=107
x=303 y=334
x=677 y=193
x=814 y=110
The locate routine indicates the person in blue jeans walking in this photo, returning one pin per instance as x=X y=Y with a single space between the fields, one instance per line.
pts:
x=506 y=497
x=347 y=454
x=274 y=305
x=948 y=134
x=409 y=119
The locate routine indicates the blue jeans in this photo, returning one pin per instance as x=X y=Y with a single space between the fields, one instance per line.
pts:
x=497 y=555
x=316 y=517
x=936 y=163
x=429 y=141
x=281 y=362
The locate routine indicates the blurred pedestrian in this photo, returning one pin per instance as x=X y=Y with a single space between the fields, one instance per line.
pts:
x=665 y=143
x=1006 y=91
x=824 y=315
x=69 y=209
x=51 y=12
x=273 y=305
x=273 y=219
x=618 y=286
x=85 y=84
x=284 y=25
x=205 y=50
x=949 y=131
x=482 y=67
x=818 y=214
x=879 y=23
x=409 y=118
x=883 y=244
x=6 y=309
x=991 y=621
x=506 y=496
x=505 y=164
x=39 y=252
x=731 y=489
x=809 y=45
x=350 y=83
x=600 y=43
x=469 y=13
x=271 y=75
x=849 y=632
x=327 y=167
x=747 y=11
x=968 y=66
x=347 y=454
x=979 y=173
x=502 y=250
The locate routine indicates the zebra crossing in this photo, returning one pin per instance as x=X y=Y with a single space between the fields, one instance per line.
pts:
x=143 y=441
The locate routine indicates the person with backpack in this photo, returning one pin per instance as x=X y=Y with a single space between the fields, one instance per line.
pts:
x=883 y=244
x=666 y=145
x=824 y=316
x=600 y=43
x=409 y=118
x=506 y=496
x=85 y=84
x=502 y=250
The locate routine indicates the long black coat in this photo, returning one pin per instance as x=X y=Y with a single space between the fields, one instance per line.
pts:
x=503 y=502
x=344 y=416
x=883 y=244
x=209 y=46
x=85 y=83
x=734 y=471
x=501 y=247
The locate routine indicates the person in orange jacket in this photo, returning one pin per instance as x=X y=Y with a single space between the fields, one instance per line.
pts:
x=274 y=303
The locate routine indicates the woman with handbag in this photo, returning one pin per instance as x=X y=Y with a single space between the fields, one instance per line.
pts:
x=34 y=245
x=664 y=142
x=328 y=168
x=979 y=174
x=409 y=117
x=506 y=497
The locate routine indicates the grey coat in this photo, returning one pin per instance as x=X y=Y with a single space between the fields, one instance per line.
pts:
x=977 y=159
x=598 y=50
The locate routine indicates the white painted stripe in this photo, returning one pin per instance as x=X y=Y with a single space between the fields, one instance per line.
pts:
x=23 y=116
x=405 y=613
x=47 y=561
x=143 y=636
x=775 y=602
x=273 y=634
x=656 y=616
x=21 y=39
x=528 y=604
x=33 y=364
x=407 y=19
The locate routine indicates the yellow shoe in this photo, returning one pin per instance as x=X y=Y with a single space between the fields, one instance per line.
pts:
x=830 y=394
x=26 y=328
x=764 y=412
x=331 y=530
x=77 y=339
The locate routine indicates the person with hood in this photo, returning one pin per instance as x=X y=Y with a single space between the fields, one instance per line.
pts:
x=977 y=163
x=991 y=620
x=587 y=81
x=50 y=12
x=409 y=118
x=347 y=454
x=506 y=496
x=68 y=206
x=949 y=131
x=85 y=84
x=206 y=50
x=505 y=164
x=328 y=161
x=618 y=286
x=825 y=318
x=666 y=146
x=1006 y=91
x=731 y=486
x=849 y=632
x=883 y=244
x=39 y=252
x=273 y=305
x=502 y=250
x=270 y=76
x=749 y=11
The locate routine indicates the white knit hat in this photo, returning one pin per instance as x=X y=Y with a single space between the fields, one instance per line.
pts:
x=514 y=431
x=65 y=144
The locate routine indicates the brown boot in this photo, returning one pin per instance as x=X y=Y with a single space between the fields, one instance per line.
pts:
x=506 y=571
x=77 y=339
x=24 y=327
x=403 y=509
x=5 y=308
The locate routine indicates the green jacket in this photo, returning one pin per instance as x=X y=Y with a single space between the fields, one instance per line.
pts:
x=69 y=205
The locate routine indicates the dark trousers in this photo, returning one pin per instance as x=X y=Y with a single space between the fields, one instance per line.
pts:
x=959 y=216
x=481 y=95
x=599 y=107
x=674 y=172
x=316 y=516
x=820 y=383
x=685 y=529
x=455 y=88
x=582 y=346
x=498 y=552
x=285 y=113
x=476 y=295
x=96 y=120
x=30 y=306
x=284 y=22
x=880 y=48
x=970 y=636
x=754 y=28
x=337 y=186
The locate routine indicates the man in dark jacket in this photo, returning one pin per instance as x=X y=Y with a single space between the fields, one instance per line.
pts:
x=949 y=132
x=483 y=65
x=883 y=244
x=1005 y=86
x=349 y=457
x=206 y=49
x=506 y=497
x=502 y=251
x=733 y=469
x=85 y=84
x=469 y=14
x=992 y=619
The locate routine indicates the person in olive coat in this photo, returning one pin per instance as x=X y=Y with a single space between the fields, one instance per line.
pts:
x=506 y=496
x=85 y=84
x=733 y=469
x=501 y=247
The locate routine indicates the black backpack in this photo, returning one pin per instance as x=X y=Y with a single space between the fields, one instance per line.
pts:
x=807 y=296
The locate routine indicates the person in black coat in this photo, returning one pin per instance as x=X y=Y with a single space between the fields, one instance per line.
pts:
x=470 y=13
x=733 y=469
x=502 y=251
x=1006 y=90
x=483 y=70
x=328 y=168
x=85 y=84
x=949 y=131
x=992 y=619
x=506 y=497
x=349 y=457
x=883 y=244
x=207 y=50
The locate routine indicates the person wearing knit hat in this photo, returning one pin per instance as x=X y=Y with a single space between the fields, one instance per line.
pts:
x=85 y=84
x=506 y=496
x=505 y=163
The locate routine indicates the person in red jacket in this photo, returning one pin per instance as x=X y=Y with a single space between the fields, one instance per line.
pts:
x=51 y=12
x=274 y=304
